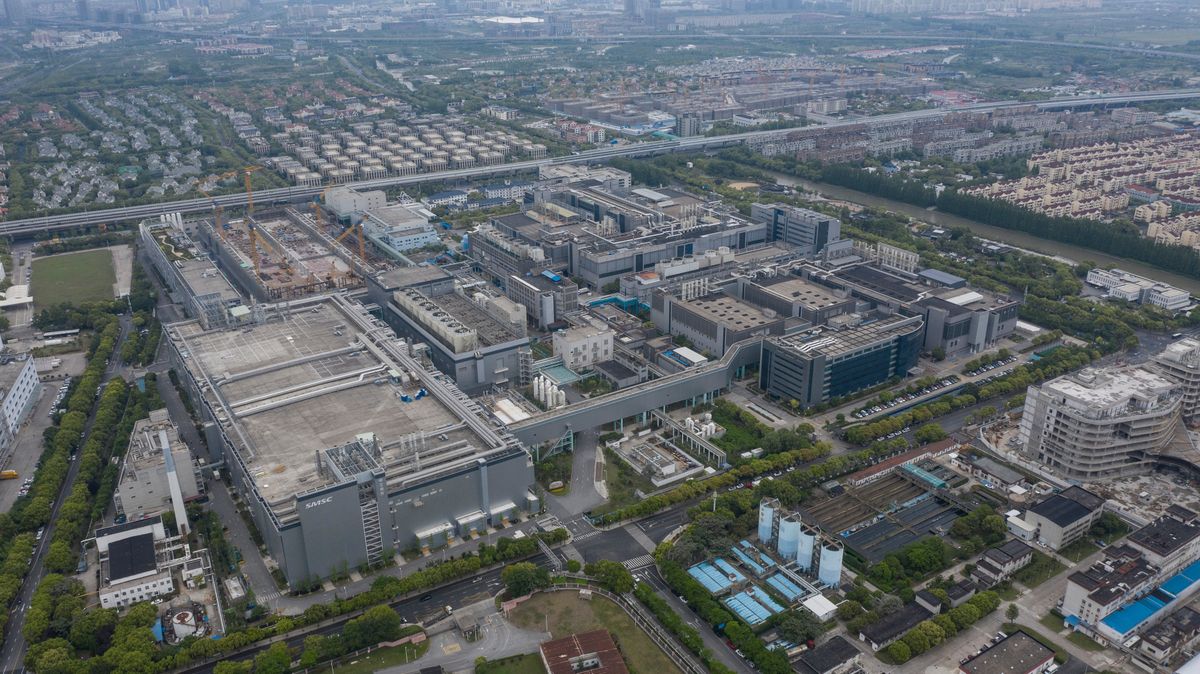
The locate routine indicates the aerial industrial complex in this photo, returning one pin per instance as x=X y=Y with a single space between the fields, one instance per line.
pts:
x=347 y=448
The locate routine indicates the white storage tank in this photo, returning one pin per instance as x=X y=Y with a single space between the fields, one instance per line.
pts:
x=804 y=548
x=830 y=570
x=766 y=520
x=789 y=536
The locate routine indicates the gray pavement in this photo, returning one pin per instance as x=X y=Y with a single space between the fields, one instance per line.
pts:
x=582 y=495
x=499 y=639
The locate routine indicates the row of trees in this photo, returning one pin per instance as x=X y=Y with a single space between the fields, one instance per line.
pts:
x=139 y=654
x=1105 y=237
x=1060 y=361
x=76 y=512
x=688 y=636
x=746 y=471
x=930 y=633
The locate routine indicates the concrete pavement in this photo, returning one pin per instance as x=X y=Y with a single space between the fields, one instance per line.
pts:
x=499 y=639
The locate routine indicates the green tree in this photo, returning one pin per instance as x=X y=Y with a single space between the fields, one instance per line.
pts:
x=233 y=667
x=522 y=578
x=899 y=652
x=376 y=624
x=1012 y=612
x=800 y=626
x=612 y=575
x=930 y=432
x=92 y=630
x=275 y=660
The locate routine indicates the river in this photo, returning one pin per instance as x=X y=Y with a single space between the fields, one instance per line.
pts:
x=1063 y=251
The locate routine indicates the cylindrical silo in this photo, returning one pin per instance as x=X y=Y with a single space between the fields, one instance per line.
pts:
x=830 y=570
x=804 y=550
x=766 y=520
x=789 y=537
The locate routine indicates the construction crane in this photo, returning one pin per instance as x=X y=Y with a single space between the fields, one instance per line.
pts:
x=250 y=227
x=362 y=249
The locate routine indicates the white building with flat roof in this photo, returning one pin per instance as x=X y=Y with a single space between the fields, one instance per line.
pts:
x=583 y=347
x=1100 y=423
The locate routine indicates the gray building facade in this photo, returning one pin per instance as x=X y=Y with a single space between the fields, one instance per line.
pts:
x=819 y=365
x=805 y=229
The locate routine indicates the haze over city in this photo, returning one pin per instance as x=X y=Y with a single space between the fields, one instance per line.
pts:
x=541 y=337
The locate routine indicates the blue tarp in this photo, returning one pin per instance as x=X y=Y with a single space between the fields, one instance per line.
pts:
x=157 y=629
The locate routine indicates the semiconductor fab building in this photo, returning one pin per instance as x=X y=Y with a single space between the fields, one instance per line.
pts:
x=344 y=446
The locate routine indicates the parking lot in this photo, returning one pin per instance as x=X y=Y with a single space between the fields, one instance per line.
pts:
x=27 y=448
x=907 y=397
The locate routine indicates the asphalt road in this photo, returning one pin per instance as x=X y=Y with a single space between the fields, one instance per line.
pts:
x=12 y=655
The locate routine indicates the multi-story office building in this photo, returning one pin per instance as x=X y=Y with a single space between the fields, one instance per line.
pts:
x=816 y=365
x=1100 y=423
x=500 y=252
x=1181 y=361
x=713 y=322
x=1170 y=542
x=966 y=320
x=19 y=388
x=547 y=296
x=603 y=259
x=1093 y=593
x=397 y=229
x=348 y=205
x=345 y=446
x=808 y=230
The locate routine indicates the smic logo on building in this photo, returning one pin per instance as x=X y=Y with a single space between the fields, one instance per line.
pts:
x=320 y=501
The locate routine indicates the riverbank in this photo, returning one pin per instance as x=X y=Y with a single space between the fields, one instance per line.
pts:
x=1062 y=251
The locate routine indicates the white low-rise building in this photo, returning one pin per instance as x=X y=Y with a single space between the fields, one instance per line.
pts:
x=583 y=347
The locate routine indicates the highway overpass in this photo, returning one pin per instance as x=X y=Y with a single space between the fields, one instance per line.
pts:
x=31 y=226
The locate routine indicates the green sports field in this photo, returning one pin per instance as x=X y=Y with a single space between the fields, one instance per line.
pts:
x=76 y=278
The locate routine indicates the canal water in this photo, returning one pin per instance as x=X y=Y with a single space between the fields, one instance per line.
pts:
x=1011 y=237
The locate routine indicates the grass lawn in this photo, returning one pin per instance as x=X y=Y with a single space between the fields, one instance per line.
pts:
x=1041 y=569
x=384 y=657
x=566 y=614
x=1052 y=622
x=623 y=484
x=1081 y=640
x=517 y=664
x=87 y=276
x=1079 y=549
x=1006 y=591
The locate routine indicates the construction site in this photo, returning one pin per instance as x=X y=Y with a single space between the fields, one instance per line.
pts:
x=347 y=448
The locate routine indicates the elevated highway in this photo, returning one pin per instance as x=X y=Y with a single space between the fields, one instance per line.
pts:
x=287 y=195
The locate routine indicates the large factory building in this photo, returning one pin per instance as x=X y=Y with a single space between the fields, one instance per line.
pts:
x=344 y=447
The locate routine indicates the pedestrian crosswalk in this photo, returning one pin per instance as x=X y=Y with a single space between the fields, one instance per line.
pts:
x=586 y=535
x=270 y=596
x=638 y=562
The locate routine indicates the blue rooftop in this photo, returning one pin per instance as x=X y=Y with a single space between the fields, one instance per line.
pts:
x=1124 y=621
x=748 y=562
x=784 y=586
x=713 y=580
